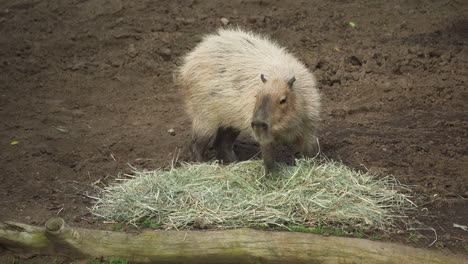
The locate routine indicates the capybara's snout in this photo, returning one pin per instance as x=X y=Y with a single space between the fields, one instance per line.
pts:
x=260 y=129
x=259 y=125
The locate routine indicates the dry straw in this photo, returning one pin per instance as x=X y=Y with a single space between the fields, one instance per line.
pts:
x=311 y=192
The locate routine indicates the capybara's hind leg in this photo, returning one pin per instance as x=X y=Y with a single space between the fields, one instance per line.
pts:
x=201 y=137
x=223 y=144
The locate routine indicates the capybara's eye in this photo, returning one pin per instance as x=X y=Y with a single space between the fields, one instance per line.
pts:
x=283 y=101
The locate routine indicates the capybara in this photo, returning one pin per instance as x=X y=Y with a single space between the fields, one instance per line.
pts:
x=237 y=81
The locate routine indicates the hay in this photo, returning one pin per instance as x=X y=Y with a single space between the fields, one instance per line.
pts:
x=311 y=192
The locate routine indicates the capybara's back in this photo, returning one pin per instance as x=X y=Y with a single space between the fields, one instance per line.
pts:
x=239 y=81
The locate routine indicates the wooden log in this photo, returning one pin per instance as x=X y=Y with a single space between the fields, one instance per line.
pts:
x=228 y=246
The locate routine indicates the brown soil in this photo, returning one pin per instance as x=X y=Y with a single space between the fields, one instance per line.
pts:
x=86 y=87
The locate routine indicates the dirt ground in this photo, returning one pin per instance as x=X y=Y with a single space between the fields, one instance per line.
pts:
x=86 y=88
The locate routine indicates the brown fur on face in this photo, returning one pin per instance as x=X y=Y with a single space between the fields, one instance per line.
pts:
x=275 y=110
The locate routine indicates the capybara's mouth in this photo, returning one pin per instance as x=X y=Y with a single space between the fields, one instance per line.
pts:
x=262 y=136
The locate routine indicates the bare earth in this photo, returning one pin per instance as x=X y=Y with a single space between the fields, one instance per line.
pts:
x=86 y=87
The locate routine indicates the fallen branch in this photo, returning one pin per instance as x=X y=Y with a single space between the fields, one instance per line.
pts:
x=228 y=246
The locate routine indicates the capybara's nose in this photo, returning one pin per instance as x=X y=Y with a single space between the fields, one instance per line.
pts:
x=259 y=124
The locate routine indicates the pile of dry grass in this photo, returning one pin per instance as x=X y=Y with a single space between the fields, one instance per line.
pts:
x=313 y=191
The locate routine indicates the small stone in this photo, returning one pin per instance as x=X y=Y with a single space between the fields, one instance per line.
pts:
x=435 y=53
x=355 y=61
x=171 y=132
x=132 y=51
x=166 y=53
x=252 y=20
x=224 y=21
x=185 y=21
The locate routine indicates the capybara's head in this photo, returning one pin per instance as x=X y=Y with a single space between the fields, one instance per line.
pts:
x=275 y=108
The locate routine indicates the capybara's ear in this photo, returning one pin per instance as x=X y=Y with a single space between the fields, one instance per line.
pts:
x=263 y=78
x=291 y=82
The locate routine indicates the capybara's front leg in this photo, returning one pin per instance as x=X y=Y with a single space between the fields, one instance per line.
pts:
x=268 y=154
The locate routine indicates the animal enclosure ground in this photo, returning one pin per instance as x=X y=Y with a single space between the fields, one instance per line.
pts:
x=86 y=87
